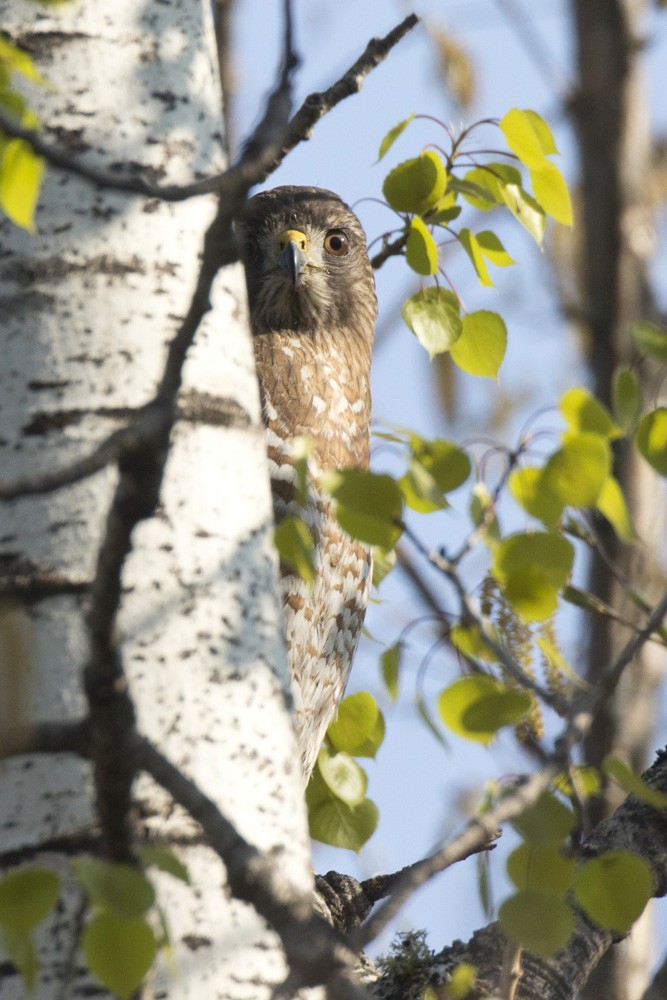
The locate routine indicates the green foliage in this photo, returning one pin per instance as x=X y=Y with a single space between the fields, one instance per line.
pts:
x=416 y=185
x=27 y=896
x=296 y=547
x=478 y=706
x=421 y=251
x=480 y=349
x=434 y=316
x=651 y=439
x=632 y=783
x=338 y=811
x=540 y=921
x=627 y=398
x=155 y=856
x=530 y=568
x=368 y=506
x=390 y=664
x=120 y=888
x=547 y=823
x=650 y=340
x=613 y=889
x=119 y=952
x=21 y=170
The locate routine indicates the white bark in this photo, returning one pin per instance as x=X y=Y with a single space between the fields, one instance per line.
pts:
x=87 y=307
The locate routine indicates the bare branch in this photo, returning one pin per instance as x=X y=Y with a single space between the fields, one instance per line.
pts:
x=250 y=169
x=476 y=834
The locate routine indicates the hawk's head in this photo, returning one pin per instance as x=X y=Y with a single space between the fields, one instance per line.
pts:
x=306 y=263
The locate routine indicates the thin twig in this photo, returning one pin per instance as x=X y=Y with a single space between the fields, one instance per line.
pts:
x=476 y=834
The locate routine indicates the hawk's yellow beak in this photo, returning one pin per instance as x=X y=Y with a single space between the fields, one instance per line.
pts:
x=292 y=244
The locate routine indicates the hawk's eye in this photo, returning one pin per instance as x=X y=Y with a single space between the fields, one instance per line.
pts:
x=336 y=243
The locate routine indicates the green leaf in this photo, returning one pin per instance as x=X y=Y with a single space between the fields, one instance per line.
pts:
x=342 y=776
x=470 y=642
x=27 y=896
x=153 y=855
x=433 y=315
x=585 y=782
x=542 y=922
x=481 y=347
x=528 y=488
x=446 y=463
x=479 y=187
x=583 y=412
x=368 y=505
x=118 y=952
x=18 y=61
x=522 y=205
x=296 y=547
x=469 y=243
x=421 y=251
x=613 y=889
x=460 y=982
x=531 y=568
x=650 y=340
x=627 y=398
x=522 y=137
x=651 y=439
x=546 y=823
x=393 y=134
x=542 y=131
x=531 y=866
x=20 y=950
x=358 y=728
x=577 y=472
x=416 y=185
x=631 y=783
x=425 y=716
x=482 y=513
x=420 y=491
x=477 y=706
x=611 y=504
x=21 y=172
x=334 y=822
x=390 y=665
x=383 y=563
x=551 y=193
x=493 y=249
x=115 y=886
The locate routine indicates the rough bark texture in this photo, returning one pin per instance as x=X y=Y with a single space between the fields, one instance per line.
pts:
x=88 y=305
x=611 y=120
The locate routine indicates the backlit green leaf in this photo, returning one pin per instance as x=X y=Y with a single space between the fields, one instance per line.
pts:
x=368 y=505
x=416 y=185
x=115 y=886
x=577 y=472
x=650 y=340
x=433 y=315
x=165 y=860
x=547 y=823
x=421 y=251
x=420 y=490
x=18 y=61
x=20 y=950
x=478 y=187
x=469 y=641
x=295 y=546
x=493 y=249
x=448 y=464
x=383 y=563
x=358 y=728
x=583 y=412
x=521 y=204
x=27 y=896
x=21 y=172
x=542 y=131
x=469 y=243
x=334 y=822
x=531 y=568
x=393 y=134
x=343 y=776
x=630 y=782
x=481 y=347
x=613 y=889
x=627 y=398
x=651 y=439
x=390 y=664
x=529 y=489
x=542 y=922
x=551 y=193
x=611 y=503
x=522 y=137
x=477 y=706
x=532 y=866
x=118 y=952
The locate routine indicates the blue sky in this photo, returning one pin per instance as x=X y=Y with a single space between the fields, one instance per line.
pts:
x=422 y=790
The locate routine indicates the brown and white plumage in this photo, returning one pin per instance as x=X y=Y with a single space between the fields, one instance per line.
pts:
x=313 y=308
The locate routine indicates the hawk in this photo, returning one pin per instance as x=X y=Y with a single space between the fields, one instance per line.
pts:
x=312 y=308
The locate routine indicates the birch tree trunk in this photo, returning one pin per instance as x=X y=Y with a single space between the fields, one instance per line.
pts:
x=87 y=306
